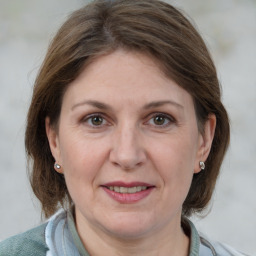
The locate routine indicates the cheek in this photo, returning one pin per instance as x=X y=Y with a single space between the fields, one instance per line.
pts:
x=174 y=160
x=82 y=160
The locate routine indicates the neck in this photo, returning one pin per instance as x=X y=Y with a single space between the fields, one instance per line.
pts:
x=169 y=240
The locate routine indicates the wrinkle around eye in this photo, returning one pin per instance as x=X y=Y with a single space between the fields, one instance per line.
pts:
x=168 y=121
x=90 y=121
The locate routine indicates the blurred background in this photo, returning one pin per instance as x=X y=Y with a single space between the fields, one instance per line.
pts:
x=229 y=29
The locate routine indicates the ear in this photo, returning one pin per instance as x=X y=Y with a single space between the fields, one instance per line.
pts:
x=53 y=140
x=205 y=141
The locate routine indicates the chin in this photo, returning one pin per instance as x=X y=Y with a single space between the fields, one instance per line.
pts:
x=128 y=227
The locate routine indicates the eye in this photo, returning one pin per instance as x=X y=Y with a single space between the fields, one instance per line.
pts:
x=161 y=120
x=95 y=120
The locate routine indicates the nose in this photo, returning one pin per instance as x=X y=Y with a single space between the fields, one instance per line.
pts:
x=127 y=151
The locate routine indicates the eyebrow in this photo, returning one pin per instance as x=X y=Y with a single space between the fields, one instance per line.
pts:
x=103 y=106
x=155 y=104
x=93 y=103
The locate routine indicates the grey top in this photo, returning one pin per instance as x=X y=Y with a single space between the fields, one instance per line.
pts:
x=59 y=237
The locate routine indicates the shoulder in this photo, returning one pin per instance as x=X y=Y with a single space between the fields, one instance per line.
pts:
x=217 y=248
x=29 y=243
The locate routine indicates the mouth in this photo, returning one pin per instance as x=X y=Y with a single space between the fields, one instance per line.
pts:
x=128 y=192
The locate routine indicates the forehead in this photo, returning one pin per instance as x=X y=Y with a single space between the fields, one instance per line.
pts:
x=125 y=76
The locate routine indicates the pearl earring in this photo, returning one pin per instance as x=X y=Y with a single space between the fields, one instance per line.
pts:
x=57 y=166
x=202 y=165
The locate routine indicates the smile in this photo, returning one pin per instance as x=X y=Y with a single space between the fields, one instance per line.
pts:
x=125 y=190
x=128 y=193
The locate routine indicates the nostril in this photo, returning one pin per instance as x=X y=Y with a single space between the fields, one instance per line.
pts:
x=127 y=166
x=127 y=152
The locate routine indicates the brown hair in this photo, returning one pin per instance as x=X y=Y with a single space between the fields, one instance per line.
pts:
x=149 y=26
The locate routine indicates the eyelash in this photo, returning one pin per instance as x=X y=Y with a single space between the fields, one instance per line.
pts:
x=89 y=119
x=167 y=118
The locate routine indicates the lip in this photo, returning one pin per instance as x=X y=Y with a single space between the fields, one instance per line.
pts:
x=127 y=184
x=126 y=198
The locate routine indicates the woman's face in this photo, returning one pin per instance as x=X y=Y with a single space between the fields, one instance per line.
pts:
x=128 y=144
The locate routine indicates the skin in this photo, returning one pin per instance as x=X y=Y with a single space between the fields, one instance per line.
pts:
x=111 y=129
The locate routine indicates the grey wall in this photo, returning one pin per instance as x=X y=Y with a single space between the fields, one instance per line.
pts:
x=228 y=26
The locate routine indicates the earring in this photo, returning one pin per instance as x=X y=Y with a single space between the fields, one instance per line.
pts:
x=202 y=165
x=57 y=167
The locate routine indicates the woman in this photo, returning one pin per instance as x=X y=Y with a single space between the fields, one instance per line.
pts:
x=126 y=131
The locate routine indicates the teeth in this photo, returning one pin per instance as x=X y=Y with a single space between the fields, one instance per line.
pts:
x=117 y=189
x=124 y=190
x=132 y=190
x=138 y=189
